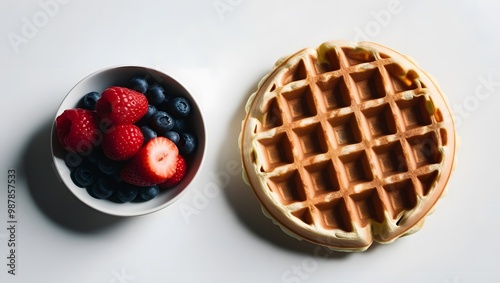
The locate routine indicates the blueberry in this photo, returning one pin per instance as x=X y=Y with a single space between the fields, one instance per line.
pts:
x=162 y=122
x=139 y=83
x=149 y=193
x=179 y=107
x=73 y=159
x=108 y=166
x=148 y=133
x=155 y=94
x=149 y=113
x=187 y=143
x=94 y=156
x=89 y=100
x=84 y=175
x=180 y=126
x=173 y=136
x=127 y=192
x=116 y=177
x=164 y=105
x=103 y=188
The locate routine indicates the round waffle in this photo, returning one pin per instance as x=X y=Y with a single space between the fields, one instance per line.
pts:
x=348 y=143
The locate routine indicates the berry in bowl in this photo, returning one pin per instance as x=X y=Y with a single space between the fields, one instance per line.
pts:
x=128 y=140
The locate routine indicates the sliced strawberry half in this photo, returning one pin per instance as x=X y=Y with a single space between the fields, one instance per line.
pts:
x=180 y=172
x=155 y=162
x=121 y=105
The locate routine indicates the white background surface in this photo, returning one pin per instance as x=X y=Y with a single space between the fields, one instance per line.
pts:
x=219 y=49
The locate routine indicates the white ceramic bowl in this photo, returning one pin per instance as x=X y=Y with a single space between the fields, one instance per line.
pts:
x=99 y=81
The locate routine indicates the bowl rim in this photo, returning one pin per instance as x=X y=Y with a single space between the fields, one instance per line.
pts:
x=91 y=202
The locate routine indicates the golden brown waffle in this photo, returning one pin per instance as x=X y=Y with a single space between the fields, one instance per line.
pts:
x=348 y=143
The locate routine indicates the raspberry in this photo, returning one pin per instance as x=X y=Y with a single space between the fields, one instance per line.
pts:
x=77 y=130
x=122 y=142
x=121 y=105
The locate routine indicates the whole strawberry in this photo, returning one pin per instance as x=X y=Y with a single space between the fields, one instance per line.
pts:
x=155 y=162
x=122 y=142
x=121 y=105
x=77 y=130
x=180 y=172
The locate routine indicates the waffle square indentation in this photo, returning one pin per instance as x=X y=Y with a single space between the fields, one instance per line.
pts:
x=323 y=177
x=380 y=121
x=425 y=149
x=277 y=151
x=358 y=56
x=289 y=187
x=428 y=181
x=345 y=130
x=312 y=140
x=335 y=215
x=357 y=168
x=335 y=93
x=304 y=215
x=329 y=63
x=369 y=206
x=401 y=80
x=272 y=115
x=300 y=103
x=369 y=84
x=402 y=196
x=414 y=112
x=296 y=73
x=391 y=159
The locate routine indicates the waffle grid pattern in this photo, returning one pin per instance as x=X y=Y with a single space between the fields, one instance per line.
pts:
x=365 y=135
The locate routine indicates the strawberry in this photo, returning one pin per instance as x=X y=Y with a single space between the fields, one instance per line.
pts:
x=77 y=130
x=180 y=172
x=121 y=105
x=155 y=162
x=122 y=142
